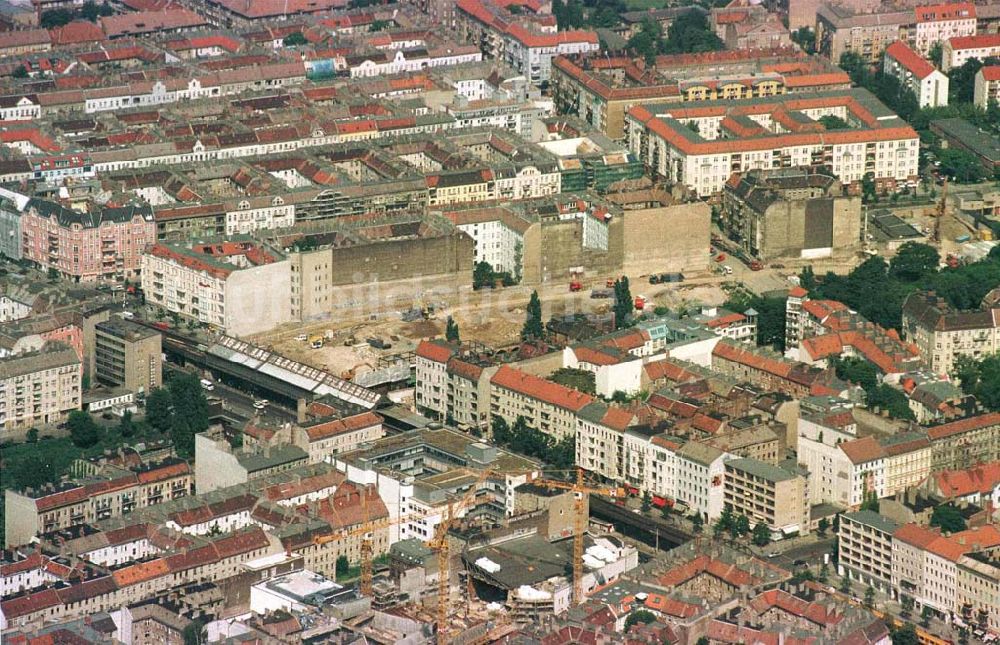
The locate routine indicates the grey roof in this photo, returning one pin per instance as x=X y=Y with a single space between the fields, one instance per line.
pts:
x=51 y=356
x=872 y=519
x=761 y=469
x=277 y=456
x=93 y=218
x=969 y=136
x=698 y=452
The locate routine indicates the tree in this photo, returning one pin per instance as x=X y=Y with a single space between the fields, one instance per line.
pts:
x=845 y=585
x=907 y=603
x=805 y=38
x=20 y=72
x=960 y=165
x=761 y=534
x=868 y=194
x=55 y=18
x=856 y=67
x=869 y=501
x=379 y=25
x=822 y=526
x=925 y=616
x=194 y=633
x=914 y=261
x=158 y=409
x=190 y=411
x=647 y=501
x=482 y=275
x=697 y=524
x=725 y=522
x=981 y=379
x=31 y=436
x=126 y=427
x=934 y=54
x=31 y=473
x=690 y=33
x=962 y=81
x=703 y=641
x=451 y=331
x=824 y=573
x=869 y=597
x=533 y=329
x=82 y=429
x=640 y=616
x=833 y=122
x=294 y=39
x=905 y=635
x=740 y=526
x=647 y=41
x=501 y=431
x=342 y=566
x=948 y=518
x=624 y=304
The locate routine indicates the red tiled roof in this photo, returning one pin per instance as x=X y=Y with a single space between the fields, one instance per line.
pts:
x=862 y=450
x=909 y=59
x=78 y=31
x=728 y=573
x=167 y=471
x=797 y=292
x=991 y=73
x=974 y=42
x=812 y=611
x=63 y=498
x=30 y=603
x=665 y=369
x=345 y=508
x=436 y=351
x=290 y=490
x=345 y=425
x=144 y=22
x=141 y=572
x=963 y=425
x=465 y=369
x=540 y=389
x=941 y=12
x=978 y=479
x=594 y=357
x=950 y=547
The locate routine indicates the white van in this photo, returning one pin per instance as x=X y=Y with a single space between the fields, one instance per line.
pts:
x=207 y=385
x=728 y=270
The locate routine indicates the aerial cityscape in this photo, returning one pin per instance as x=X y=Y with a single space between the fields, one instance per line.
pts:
x=467 y=322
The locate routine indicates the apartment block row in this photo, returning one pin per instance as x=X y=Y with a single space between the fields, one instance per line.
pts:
x=700 y=147
x=955 y=577
x=844 y=467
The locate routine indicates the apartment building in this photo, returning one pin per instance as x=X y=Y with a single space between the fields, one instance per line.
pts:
x=907 y=460
x=767 y=493
x=324 y=438
x=111 y=492
x=864 y=549
x=752 y=365
x=546 y=406
x=840 y=29
x=237 y=285
x=966 y=442
x=977 y=588
x=527 y=46
x=600 y=90
x=430 y=393
x=942 y=334
x=102 y=243
x=791 y=213
x=39 y=388
x=937 y=23
x=601 y=444
x=699 y=475
x=925 y=564
x=987 y=88
x=957 y=51
x=775 y=132
x=921 y=77
x=127 y=355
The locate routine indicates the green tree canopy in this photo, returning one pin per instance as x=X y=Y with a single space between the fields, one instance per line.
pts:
x=533 y=328
x=451 y=333
x=914 y=261
x=158 y=409
x=761 y=534
x=624 y=304
x=690 y=33
x=948 y=518
x=82 y=429
x=640 y=616
x=190 y=411
x=295 y=38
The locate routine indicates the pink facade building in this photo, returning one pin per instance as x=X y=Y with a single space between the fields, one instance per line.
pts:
x=102 y=244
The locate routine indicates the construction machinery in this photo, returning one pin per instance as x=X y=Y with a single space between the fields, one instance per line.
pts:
x=580 y=520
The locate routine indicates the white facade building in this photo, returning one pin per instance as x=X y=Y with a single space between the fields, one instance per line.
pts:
x=928 y=85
